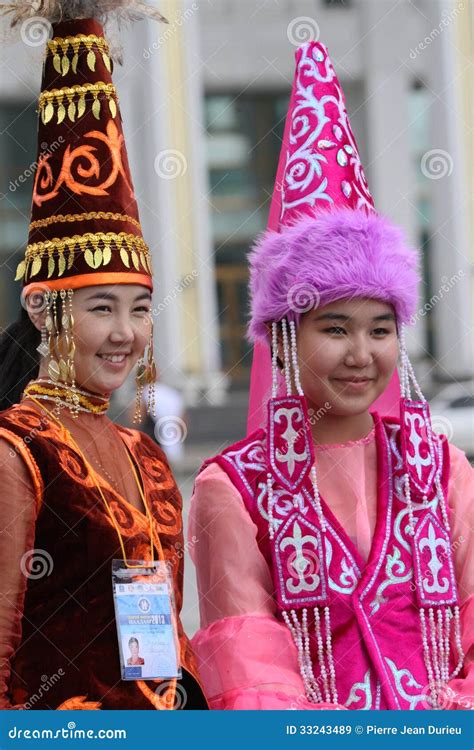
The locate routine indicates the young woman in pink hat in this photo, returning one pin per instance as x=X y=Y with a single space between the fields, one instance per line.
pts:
x=332 y=554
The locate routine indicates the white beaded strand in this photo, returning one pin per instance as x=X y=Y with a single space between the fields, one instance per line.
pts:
x=270 y=504
x=441 y=645
x=332 y=671
x=286 y=357
x=307 y=653
x=274 y=359
x=294 y=358
x=317 y=498
x=322 y=665
x=434 y=647
x=427 y=659
x=458 y=642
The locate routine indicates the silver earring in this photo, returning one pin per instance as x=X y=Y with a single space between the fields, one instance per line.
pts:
x=43 y=347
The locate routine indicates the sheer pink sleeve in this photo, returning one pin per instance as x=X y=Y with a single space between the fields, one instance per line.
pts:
x=461 y=504
x=246 y=656
x=18 y=500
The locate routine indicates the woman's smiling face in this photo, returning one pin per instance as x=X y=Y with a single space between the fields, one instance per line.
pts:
x=343 y=342
x=112 y=325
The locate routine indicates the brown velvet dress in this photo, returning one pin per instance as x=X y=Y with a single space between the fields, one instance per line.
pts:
x=58 y=641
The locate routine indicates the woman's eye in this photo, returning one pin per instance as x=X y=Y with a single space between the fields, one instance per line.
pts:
x=101 y=308
x=142 y=310
x=335 y=329
x=381 y=330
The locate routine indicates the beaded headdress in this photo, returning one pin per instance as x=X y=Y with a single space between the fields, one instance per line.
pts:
x=84 y=227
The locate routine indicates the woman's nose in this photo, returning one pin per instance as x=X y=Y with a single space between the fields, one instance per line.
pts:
x=359 y=353
x=122 y=330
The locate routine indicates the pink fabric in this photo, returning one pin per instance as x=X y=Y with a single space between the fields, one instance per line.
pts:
x=226 y=555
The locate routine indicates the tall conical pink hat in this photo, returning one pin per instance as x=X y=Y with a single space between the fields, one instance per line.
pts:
x=322 y=167
x=324 y=239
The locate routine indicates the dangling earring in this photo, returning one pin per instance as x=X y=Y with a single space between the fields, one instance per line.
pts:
x=43 y=347
x=50 y=323
x=146 y=375
x=67 y=322
x=139 y=383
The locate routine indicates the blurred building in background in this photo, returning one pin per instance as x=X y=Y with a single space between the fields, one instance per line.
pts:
x=204 y=100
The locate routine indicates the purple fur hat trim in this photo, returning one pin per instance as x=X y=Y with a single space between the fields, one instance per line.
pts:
x=340 y=254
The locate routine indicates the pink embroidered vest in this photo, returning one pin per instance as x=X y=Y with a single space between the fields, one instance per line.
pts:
x=373 y=635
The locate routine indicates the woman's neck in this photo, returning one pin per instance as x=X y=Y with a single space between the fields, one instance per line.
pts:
x=328 y=428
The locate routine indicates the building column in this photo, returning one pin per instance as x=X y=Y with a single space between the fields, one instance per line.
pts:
x=452 y=200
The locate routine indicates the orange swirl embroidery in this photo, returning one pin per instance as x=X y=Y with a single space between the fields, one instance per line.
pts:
x=44 y=176
x=79 y=703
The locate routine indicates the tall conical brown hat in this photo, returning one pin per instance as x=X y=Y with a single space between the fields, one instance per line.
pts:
x=84 y=226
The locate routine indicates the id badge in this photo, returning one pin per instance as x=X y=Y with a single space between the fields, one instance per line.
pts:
x=146 y=621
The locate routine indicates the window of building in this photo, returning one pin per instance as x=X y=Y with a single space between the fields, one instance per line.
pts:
x=244 y=134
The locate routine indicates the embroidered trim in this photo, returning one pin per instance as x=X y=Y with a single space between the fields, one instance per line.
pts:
x=62 y=64
x=51 y=102
x=90 y=216
x=131 y=248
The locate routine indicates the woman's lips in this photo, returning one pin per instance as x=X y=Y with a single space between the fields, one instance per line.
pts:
x=359 y=385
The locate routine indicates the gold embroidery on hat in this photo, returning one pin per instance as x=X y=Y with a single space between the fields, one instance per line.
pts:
x=54 y=101
x=96 y=248
x=90 y=216
x=59 y=48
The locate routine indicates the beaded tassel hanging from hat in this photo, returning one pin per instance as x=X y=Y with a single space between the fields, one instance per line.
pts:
x=439 y=611
x=298 y=618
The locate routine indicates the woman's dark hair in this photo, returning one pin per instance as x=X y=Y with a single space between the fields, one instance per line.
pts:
x=19 y=360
